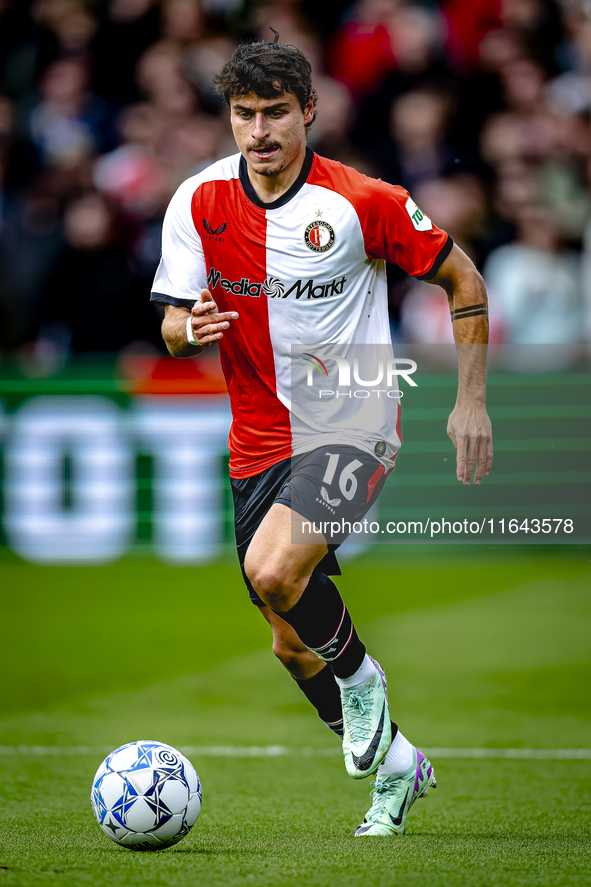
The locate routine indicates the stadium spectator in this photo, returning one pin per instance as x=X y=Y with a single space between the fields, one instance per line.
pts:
x=488 y=100
x=458 y=204
x=92 y=283
x=71 y=23
x=160 y=79
x=362 y=54
x=127 y=28
x=467 y=24
x=181 y=21
x=534 y=283
x=30 y=240
x=415 y=149
x=68 y=123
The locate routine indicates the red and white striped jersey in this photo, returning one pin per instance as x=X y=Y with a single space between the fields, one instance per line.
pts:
x=306 y=270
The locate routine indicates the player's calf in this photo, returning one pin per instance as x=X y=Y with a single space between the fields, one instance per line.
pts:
x=314 y=677
x=300 y=662
x=323 y=624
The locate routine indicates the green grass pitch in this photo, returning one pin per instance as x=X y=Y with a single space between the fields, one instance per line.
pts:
x=483 y=648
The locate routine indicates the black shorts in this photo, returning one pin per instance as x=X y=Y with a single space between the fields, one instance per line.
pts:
x=328 y=485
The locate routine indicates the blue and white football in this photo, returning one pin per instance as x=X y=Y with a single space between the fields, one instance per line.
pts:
x=146 y=795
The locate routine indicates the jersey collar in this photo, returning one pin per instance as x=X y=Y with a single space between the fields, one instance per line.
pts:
x=285 y=198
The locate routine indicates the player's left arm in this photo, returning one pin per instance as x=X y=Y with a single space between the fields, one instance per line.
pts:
x=469 y=425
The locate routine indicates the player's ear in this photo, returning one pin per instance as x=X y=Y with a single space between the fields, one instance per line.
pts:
x=309 y=112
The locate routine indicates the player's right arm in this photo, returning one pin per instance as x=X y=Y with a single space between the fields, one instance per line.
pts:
x=181 y=280
x=208 y=326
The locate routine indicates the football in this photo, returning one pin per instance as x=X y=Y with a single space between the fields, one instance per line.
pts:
x=146 y=795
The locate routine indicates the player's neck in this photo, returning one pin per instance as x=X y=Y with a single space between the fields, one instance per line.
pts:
x=271 y=188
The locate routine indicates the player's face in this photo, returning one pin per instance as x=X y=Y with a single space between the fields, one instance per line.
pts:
x=270 y=133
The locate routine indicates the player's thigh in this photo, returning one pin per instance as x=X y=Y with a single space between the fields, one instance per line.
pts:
x=253 y=497
x=330 y=490
x=274 y=555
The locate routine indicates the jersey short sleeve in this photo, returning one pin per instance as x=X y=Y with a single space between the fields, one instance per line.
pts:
x=395 y=229
x=393 y=226
x=182 y=272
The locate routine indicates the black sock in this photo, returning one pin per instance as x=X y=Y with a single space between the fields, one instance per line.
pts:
x=323 y=692
x=323 y=624
x=336 y=727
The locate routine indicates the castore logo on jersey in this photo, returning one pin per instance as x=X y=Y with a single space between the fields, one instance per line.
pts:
x=215 y=233
x=274 y=288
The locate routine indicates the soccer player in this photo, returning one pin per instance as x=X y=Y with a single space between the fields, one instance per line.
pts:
x=275 y=247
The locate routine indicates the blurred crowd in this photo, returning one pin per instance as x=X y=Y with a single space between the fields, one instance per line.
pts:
x=481 y=108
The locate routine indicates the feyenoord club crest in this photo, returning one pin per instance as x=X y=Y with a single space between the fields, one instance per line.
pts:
x=319 y=236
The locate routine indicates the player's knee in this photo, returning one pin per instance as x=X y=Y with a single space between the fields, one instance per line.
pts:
x=273 y=586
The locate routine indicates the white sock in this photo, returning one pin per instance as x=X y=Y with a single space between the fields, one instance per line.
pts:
x=399 y=757
x=365 y=671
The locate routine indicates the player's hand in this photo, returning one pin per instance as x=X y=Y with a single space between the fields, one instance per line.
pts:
x=208 y=325
x=470 y=431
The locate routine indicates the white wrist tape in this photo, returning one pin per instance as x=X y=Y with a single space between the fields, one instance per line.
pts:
x=190 y=337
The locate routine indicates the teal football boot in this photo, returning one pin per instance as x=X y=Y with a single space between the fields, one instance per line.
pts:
x=367 y=730
x=393 y=796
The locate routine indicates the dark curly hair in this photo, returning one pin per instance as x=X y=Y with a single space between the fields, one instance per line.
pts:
x=269 y=70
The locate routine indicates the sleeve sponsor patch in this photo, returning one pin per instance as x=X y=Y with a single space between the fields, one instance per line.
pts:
x=420 y=221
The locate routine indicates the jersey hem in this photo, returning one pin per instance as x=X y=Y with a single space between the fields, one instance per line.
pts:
x=258 y=467
x=439 y=260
